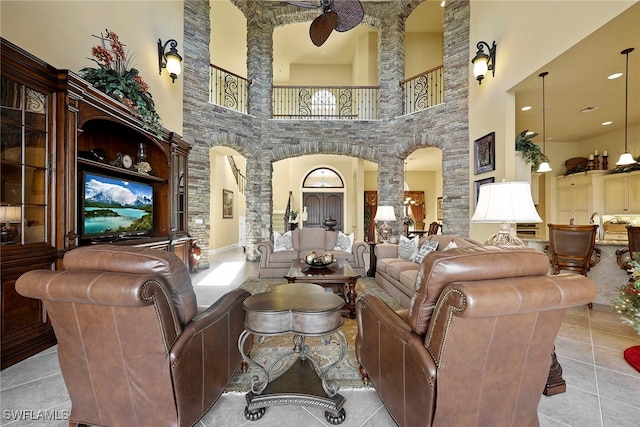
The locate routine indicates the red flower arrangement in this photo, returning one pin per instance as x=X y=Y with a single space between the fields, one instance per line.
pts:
x=117 y=78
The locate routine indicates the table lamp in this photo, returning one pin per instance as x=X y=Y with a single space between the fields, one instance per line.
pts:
x=384 y=214
x=505 y=202
x=9 y=214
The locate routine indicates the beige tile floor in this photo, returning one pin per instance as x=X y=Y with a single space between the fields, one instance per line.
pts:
x=602 y=389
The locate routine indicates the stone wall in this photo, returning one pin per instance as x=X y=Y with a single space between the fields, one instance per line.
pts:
x=387 y=141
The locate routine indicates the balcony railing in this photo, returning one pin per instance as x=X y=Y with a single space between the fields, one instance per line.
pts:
x=423 y=91
x=228 y=89
x=325 y=102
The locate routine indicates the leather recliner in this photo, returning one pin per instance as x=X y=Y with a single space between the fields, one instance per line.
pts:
x=474 y=347
x=133 y=350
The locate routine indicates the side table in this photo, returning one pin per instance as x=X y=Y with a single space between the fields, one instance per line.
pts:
x=305 y=310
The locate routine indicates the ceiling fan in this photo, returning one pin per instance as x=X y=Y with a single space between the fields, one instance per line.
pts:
x=339 y=15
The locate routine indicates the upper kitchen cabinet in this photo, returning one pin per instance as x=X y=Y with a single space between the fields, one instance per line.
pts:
x=622 y=193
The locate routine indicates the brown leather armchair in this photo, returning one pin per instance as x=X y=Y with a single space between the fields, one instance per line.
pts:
x=132 y=348
x=475 y=346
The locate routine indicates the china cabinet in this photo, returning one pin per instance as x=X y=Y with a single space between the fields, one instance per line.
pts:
x=57 y=132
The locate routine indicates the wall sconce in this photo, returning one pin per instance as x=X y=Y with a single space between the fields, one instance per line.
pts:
x=170 y=60
x=483 y=62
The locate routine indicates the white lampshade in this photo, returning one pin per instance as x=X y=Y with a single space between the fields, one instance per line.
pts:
x=385 y=213
x=544 y=167
x=625 y=159
x=10 y=214
x=506 y=202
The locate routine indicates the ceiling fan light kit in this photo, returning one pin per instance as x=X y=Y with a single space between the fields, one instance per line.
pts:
x=339 y=15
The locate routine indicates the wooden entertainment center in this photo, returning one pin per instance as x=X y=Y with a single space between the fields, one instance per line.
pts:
x=55 y=128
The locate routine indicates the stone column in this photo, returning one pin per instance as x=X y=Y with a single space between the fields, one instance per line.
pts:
x=391 y=62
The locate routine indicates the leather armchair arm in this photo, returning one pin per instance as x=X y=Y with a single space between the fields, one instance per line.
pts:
x=265 y=249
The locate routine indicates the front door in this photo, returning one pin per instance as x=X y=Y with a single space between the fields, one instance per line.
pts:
x=321 y=206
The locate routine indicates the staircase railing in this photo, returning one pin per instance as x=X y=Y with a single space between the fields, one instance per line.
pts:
x=423 y=90
x=241 y=180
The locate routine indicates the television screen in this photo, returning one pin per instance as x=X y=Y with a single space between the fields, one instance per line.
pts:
x=116 y=207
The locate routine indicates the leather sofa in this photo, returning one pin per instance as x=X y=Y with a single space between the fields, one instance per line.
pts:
x=397 y=276
x=277 y=263
x=133 y=347
x=474 y=347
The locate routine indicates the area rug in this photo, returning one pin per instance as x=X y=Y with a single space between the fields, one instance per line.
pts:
x=632 y=356
x=346 y=372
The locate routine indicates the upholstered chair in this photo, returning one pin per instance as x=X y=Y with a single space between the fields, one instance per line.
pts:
x=132 y=346
x=474 y=347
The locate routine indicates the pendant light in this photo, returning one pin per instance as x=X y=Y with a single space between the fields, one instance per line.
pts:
x=544 y=166
x=626 y=158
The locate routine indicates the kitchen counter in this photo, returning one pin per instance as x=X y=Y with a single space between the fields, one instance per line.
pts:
x=607 y=275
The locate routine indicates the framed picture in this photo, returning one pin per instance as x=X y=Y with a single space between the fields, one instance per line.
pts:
x=440 y=211
x=227 y=204
x=477 y=185
x=485 y=152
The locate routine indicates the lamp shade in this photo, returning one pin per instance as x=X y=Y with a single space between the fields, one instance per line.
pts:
x=10 y=214
x=385 y=213
x=506 y=202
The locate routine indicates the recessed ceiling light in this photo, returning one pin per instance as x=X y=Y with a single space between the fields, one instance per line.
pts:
x=614 y=76
x=589 y=109
x=606 y=123
x=527 y=108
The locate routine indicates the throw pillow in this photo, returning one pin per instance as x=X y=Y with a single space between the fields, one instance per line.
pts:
x=451 y=245
x=282 y=242
x=424 y=251
x=408 y=248
x=344 y=242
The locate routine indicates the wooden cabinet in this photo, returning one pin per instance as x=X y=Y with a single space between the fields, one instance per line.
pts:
x=622 y=193
x=55 y=129
x=578 y=197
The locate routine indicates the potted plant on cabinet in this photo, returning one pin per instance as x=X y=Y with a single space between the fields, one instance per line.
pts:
x=531 y=152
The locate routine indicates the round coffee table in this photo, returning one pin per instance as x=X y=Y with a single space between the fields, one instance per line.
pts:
x=303 y=309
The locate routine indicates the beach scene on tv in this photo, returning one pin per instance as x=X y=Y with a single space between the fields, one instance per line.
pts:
x=116 y=206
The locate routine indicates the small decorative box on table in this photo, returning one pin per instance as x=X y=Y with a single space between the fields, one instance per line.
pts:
x=303 y=309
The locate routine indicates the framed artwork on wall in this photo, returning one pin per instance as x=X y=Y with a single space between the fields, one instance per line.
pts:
x=485 y=153
x=440 y=211
x=227 y=204
x=477 y=185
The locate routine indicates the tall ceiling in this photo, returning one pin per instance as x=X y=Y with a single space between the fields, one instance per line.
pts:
x=577 y=78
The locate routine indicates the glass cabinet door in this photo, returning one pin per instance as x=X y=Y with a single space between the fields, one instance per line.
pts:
x=23 y=155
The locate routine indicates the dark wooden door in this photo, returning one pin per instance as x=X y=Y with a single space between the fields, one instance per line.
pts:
x=324 y=205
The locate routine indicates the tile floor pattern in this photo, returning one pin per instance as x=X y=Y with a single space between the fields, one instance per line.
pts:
x=602 y=389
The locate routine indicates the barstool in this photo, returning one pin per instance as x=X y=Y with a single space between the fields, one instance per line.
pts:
x=633 y=233
x=572 y=248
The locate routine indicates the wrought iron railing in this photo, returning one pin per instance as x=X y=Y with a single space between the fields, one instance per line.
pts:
x=423 y=91
x=325 y=102
x=228 y=89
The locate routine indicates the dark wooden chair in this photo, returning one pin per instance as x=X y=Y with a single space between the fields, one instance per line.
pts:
x=434 y=227
x=572 y=248
x=623 y=256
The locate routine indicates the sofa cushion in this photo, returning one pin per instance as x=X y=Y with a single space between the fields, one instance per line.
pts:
x=282 y=242
x=408 y=248
x=426 y=247
x=344 y=242
x=440 y=268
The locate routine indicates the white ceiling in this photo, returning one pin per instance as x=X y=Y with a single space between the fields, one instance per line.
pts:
x=577 y=78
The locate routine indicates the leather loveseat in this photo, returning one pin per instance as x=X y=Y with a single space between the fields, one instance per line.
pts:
x=397 y=276
x=277 y=263
x=134 y=349
x=475 y=346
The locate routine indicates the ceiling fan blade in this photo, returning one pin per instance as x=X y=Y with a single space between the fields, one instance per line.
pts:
x=321 y=27
x=350 y=14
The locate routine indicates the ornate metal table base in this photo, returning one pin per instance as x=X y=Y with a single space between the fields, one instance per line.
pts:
x=304 y=383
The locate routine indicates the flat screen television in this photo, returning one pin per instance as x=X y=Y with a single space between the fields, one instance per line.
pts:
x=115 y=207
